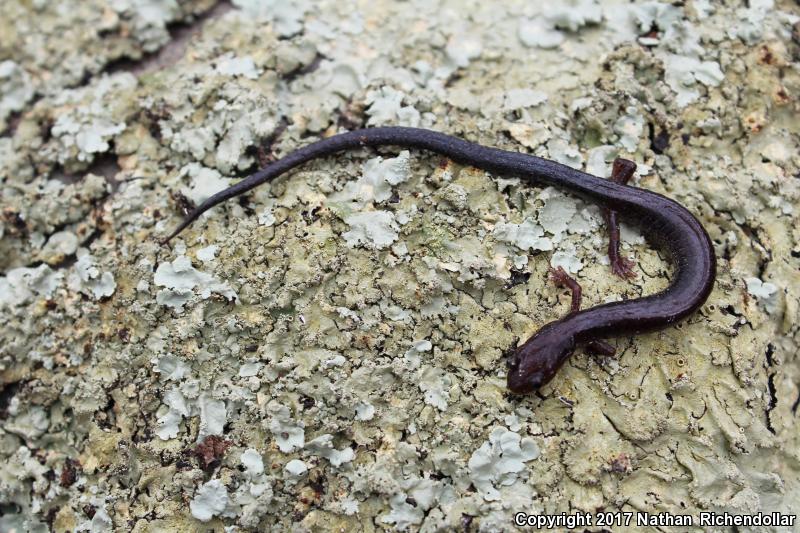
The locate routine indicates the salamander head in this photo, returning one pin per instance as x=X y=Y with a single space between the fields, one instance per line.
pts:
x=537 y=361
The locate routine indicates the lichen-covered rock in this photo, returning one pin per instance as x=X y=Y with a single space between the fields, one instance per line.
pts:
x=328 y=351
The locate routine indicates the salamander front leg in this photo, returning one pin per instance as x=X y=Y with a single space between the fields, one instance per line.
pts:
x=621 y=172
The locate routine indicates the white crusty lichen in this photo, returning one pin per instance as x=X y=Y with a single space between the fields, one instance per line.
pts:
x=15 y=90
x=209 y=501
x=403 y=515
x=253 y=463
x=149 y=19
x=386 y=106
x=413 y=355
x=527 y=235
x=435 y=384
x=539 y=32
x=21 y=284
x=574 y=14
x=289 y=435
x=296 y=468
x=684 y=73
x=377 y=229
x=205 y=182
x=177 y=410
x=766 y=293
x=545 y=29
x=630 y=127
x=378 y=176
x=323 y=446
x=286 y=15
x=181 y=403
x=85 y=130
x=185 y=399
x=232 y=65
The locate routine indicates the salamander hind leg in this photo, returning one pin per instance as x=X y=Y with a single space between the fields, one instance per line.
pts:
x=560 y=277
x=621 y=172
x=600 y=348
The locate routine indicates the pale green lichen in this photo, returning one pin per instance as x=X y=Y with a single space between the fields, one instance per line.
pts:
x=15 y=90
x=182 y=282
x=89 y=279
x=323 y=446
x=20 y=285
x=372 y=228
x=499 y=460
x=766 y=293
x=343 y=330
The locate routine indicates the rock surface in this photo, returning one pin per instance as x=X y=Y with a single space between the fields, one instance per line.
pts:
x=328 y=352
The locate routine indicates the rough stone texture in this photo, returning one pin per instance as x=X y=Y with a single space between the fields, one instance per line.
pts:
x=341 y=333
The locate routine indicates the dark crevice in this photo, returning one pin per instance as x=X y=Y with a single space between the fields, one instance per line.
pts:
x=756 y=243
x=16 y=117
x=517 y=278
x=773 y=401
x=182 y=202
x=769 y=353
x=730 y=310
x=302 y=70
x=701 y=415
x=105 y=165
x=351 y=115
x=613 y=425
x=773 y=396
x=13 y=121
x=658 y=142
x=69 y=260
x=262 y=152
x=7 y=394
x=180 y=33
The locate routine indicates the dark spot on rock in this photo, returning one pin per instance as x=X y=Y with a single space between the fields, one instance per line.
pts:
x=15 y=222
x=184 y=204
x=7 y=393
x=466 y=521
x=307 y=402
x=69 y=473
x=766 y=56
x=517 y=278
x=210 y=451
x=660 y=142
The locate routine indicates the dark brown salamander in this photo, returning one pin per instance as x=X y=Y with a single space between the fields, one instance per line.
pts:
x=663 y=220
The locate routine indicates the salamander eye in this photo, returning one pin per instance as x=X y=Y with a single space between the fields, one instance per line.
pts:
x=513 y=361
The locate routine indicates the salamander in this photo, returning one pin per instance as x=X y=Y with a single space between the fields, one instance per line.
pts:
x=665 y=222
